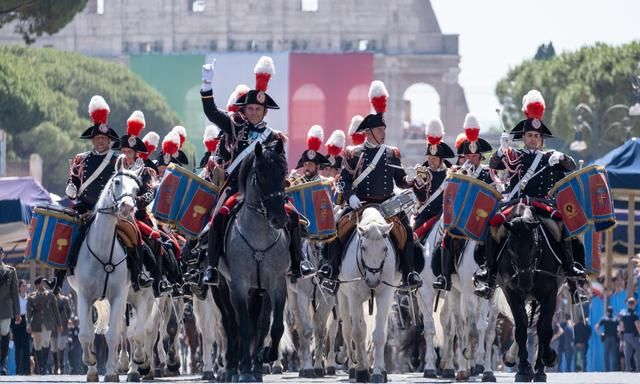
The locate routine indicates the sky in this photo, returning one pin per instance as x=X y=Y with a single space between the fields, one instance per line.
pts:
x=496 y=35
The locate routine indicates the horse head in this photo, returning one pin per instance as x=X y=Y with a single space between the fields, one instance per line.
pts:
x=373 y=231
x=118 y=197
x=522 y=245
x=269 y=171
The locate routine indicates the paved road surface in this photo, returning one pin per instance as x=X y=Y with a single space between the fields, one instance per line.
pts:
x=577 y=378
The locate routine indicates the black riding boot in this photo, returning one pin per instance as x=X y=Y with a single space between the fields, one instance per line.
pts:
x=443 y=281
x=214 y=250
x=4 y=352
x=160 y=283
x=409 y=275
x=570 y=267
x=139 y=279
x=300 y=266
x=331 y=270
x=39 y=363
x=45 y=360
x=487 y=277
x=54 y=357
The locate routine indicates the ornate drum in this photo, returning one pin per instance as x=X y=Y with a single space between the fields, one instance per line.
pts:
x=584 y=201
x=196 y=204
x=51 y=234
x=313 y=201
x=468 y=205
x=168 y=196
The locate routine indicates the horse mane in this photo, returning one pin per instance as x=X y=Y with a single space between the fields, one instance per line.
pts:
x=107 y=187
x=371 y=218
x=245 y=168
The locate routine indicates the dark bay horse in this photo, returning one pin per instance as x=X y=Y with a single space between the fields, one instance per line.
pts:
x=529 y=268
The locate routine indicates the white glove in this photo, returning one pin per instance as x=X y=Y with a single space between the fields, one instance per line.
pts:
x=71 y=190
x=555 y=158
x=354 y=202
x=207 y=75
x=505 y=141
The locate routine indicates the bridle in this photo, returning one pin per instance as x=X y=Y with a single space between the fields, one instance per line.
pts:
x=361 y=263
x=263 y=197
x=115 y=200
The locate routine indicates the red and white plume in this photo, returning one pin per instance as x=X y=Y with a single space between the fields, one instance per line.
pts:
x=99 y=110
x=263 y=70
x=335 y=143
x=378 y=96
x=171 y=144
x=181 y=132
x=357 y=138
x=315 y=137
x=471 y=127
x=135 y=123
x=210 y=138
x=460 y=139
x=533 y=105
x=240 y=91
x=434 y=131
x=151 y=141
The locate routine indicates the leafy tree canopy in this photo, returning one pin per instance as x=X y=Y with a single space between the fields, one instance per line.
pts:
x=600 y=76
x=44 y=98
x=35 y=17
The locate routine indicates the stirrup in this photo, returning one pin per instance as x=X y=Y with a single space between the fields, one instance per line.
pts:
x=325 y=271
x=484 y=291
x=211 y=276
x=413 y=280
x=307 y=269
x=331 y=286
x=441 y=283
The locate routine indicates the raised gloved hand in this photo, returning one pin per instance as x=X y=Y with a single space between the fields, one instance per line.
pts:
x=71 y=191
x=207 y=75
x=354 y=202
x=505 y=143
x=555 y=158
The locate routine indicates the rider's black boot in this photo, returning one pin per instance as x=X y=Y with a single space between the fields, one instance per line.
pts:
x=214 y=250
x=300 y=266
x=570 y=267
x=139 y=279
x=330 y=271
x=160 y=284
x=410 y=277
x=443 y=281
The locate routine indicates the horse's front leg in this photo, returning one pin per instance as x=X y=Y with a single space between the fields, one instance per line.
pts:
x=383 y=304
x=426 y=298
x=278 y=300
x=547 y=357
x=240 y=306
x=517 y=304
x=320 y=317
x=358 y=334
x=86 y=336
x=113 y=335
x=305 y=330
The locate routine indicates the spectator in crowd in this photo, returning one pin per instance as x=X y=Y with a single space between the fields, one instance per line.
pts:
x=556 y=338
x=9 y=308
x=607 y=328
x=565 y=347
x=21 y=338
x=42 y=318
x=59 y=339
x=581 y=335
x=75 y=349
x=629 y=326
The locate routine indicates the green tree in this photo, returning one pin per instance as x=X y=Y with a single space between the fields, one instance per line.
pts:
x=35 y=17
x=599 y=75
x=44 y=97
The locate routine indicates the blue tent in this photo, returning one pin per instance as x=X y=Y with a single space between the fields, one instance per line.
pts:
x=623 y=165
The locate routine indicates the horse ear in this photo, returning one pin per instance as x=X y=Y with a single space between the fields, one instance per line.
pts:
x=387 y=228
x=280 y=147
x=119 y=163
x=362 y=230
x=258 y=151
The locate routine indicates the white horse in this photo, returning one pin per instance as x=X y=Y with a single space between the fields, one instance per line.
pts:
x=101 y=277
x=370 y=266
x=209 y=324
x=141 y=332
x=427 y=298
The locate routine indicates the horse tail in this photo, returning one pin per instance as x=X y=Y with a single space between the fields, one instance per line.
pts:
x=286 y=342
x=500 y=302
x=438 y=340
x=103 y=309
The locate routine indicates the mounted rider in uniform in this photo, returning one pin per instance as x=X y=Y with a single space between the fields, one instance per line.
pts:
x=533 y=173
x=241 y=132
x=371 y=170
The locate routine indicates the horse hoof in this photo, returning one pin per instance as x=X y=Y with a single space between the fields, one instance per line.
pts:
x=157 y=372
x=208 y=375
x=266 y=369
x=92 y=377
x=144 y=370
x=462 y=375
x=319 y=372
x=430 y=374
x=377 y=378
x=330 y=371
x=448 y=373
x=133 y=377
x=551 y=360
x=258 y=377
x=276 y=370
x=540 y=377
x=488 y=377
x=246 y=378
x=111 y=378
x=174 y=368
x=149 y=376
x=362 y=376
x=478 y=369
x=508 y=362
x=307 y=373
x=352 y=374
x=523 y=377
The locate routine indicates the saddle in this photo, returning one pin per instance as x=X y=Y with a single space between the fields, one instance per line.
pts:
x=549 y=217
x=128 y=233
x=348 y=222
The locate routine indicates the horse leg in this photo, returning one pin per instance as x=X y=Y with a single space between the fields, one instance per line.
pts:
x=490 y=335
x=359 y=329
x=517 y=304
x=240 y=306
x=303 y=324
x=481 y=324
x=85 y=336
x=426 y=307
x=116 y=320
x=320 y=317
x=448 y=321
x=383 y=304
x=546 y=355
x=330 y=347
x=278 y=300
x=260 y=310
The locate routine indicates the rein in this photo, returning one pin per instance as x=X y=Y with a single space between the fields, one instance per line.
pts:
x=258 y=254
